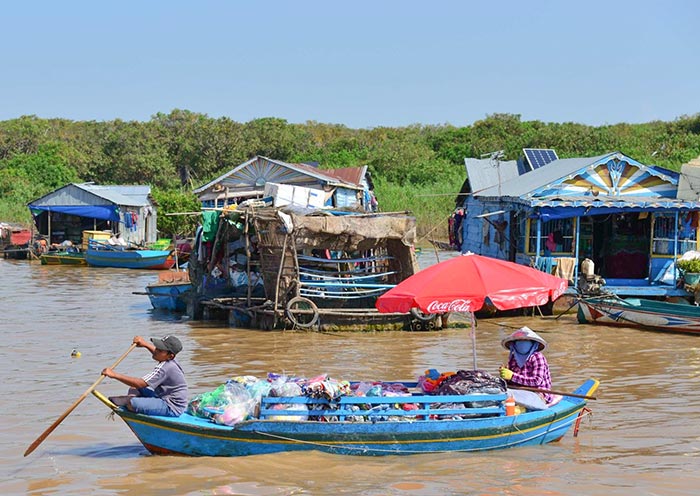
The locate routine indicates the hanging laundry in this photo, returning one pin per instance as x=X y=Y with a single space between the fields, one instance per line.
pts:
x=134 y=221
x=128 y=220
x=210 y=220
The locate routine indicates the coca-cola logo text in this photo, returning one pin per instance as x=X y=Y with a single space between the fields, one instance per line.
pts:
x=449 y=306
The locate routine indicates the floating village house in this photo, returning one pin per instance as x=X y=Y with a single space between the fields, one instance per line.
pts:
x=289 y=245
x=632 y=220
x=300 y=184
x=66 y=212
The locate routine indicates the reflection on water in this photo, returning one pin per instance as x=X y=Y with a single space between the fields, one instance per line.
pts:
x=644 y=434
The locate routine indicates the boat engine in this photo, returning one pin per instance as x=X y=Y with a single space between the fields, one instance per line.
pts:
x=588 y=281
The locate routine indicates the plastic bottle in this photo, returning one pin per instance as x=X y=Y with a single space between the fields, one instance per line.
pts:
x=510 y=405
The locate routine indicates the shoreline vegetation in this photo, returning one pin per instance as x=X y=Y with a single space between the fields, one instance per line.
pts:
x=418 y=168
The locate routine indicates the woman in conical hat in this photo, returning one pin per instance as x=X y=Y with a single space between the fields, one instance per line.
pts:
x=527 y=365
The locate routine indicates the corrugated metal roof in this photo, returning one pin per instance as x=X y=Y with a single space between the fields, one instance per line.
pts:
x=305 y=169
x=350 y=175
x=483 y=173
x=332 y=176
x=94 y=194
x=131 y=195
x=689 y=182
x=529 y=182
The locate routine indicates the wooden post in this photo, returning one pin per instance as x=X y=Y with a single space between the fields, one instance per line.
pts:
x=177 y=260
x=279 y=271
x=247 y=254
x=297 y=288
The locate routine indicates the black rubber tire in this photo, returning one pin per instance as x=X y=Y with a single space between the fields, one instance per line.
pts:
x=423 y=317
x=294 y=317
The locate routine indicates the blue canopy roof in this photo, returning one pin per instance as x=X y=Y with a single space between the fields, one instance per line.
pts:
x=106 y=212
x=552 y=213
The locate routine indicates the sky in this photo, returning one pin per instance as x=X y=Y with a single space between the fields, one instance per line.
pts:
x=362 y=64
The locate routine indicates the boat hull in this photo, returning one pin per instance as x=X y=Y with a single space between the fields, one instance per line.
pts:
x=63 y=258
x=644 y=314
x=168 y=296
x=130 y=259
x=193 y=436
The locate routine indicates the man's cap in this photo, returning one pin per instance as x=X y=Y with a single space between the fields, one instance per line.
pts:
x=168 y=343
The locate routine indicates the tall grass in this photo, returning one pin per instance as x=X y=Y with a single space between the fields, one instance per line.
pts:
x=431 y=204
x=15 y=213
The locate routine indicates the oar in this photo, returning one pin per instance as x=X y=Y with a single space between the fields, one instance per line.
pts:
x=60 y=419
x=538 y=390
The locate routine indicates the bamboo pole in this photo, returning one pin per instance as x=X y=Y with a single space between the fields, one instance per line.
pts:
x=279 y=271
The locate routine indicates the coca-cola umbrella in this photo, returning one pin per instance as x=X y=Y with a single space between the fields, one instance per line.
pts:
x=464 y=283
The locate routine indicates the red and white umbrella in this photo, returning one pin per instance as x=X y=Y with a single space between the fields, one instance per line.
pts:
x=463 y=283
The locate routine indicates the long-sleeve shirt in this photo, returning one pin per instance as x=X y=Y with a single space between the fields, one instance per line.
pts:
x=535 y=373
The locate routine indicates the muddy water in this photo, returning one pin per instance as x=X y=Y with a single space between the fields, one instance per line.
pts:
x=643 y=436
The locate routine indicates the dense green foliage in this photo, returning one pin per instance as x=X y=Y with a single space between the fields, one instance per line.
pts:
x=416 y=168
x=185 y=205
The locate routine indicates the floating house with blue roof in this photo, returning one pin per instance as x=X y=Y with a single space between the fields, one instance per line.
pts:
x=631 y=219
x=127 y=210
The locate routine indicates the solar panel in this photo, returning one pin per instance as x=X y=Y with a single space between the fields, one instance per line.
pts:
x=538 y=157
x=523 y=166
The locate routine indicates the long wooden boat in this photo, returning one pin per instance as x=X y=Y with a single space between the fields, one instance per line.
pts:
x=634 y=312
x=129 y=259
x=63 y=258
x=380 y=427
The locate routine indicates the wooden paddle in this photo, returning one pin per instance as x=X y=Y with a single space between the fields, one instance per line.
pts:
x=60 y=419
x=538 y=390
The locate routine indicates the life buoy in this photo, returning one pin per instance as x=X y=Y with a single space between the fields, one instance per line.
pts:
x=302 y=312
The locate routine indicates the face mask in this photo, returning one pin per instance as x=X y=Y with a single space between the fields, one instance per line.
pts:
x=523 y=346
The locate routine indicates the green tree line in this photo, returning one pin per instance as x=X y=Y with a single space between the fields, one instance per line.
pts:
x=418 y=168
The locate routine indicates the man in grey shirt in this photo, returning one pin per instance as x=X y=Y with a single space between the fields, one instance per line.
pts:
x=161 y=392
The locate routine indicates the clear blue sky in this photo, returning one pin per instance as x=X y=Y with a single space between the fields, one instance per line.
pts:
x=359 y=63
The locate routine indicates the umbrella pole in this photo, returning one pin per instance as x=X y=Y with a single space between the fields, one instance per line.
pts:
x=473 y=327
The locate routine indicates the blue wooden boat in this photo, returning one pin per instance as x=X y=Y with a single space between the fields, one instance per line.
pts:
x=654 y=315
x=129 y=259
x=168 y=296
x=381 y=427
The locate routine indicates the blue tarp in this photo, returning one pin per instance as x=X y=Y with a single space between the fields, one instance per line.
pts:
x=106 y=212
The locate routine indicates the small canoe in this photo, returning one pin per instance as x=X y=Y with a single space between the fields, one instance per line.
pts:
x=63 y=258
x=169 y=296
x=653 y=315
x=129 y=259
x=381 y=426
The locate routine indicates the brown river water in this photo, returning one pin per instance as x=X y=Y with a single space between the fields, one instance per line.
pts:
x=643 y=436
